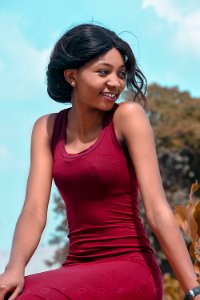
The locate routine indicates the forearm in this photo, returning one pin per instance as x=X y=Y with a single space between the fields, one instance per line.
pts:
x=173 y=245
x=26 y=238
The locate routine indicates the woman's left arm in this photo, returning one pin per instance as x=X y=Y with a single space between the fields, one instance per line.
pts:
x=132 y=124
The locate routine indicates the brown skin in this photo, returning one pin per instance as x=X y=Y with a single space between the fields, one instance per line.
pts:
x=133 y=126
x=85 y=120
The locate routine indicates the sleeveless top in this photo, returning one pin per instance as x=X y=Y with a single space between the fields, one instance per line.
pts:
x=100 y=191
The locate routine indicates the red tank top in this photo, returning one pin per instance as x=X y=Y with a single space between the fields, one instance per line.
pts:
x=100 y=190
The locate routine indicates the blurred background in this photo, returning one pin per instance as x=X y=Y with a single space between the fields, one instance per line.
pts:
x=165 y=37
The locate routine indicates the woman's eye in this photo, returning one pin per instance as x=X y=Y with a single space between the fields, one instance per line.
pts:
x=123 y=74
x=102 y=72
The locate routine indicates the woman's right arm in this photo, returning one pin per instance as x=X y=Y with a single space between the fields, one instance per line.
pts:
x=32 y=219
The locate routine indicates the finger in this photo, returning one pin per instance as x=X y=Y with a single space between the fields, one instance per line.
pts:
x=3 y=291
x=15 y=293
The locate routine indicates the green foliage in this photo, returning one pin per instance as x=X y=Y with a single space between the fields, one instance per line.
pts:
x=175 y=117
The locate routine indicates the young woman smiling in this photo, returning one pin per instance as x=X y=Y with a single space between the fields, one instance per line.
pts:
x=99 y=154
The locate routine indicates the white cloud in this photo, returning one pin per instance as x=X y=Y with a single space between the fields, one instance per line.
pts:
x=22 y=65
x=187 y=36
x=186 y=23
x=164 y=9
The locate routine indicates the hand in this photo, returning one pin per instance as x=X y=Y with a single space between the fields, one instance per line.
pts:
x=11 y=284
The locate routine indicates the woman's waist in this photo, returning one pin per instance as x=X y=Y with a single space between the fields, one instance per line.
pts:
x=106 y=251
x=111 y=242
x=103 y=242
x=93 y=232
x=86 y=237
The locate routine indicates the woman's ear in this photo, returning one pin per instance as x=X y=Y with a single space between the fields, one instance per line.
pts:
x=69 y=76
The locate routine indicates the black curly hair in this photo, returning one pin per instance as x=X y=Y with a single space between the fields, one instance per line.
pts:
x=82 y=44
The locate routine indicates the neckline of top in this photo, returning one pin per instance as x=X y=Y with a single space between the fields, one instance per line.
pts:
x=92 y=146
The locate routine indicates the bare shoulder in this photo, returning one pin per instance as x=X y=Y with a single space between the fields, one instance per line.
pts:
x=44 y=125
x=130 y=116
x=45 y=120
x=129 y=109
x=130 y=105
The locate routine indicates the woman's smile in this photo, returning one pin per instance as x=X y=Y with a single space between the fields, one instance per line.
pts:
x=110 y=96
x=100 y=81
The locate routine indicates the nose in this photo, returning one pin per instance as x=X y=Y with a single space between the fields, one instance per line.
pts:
x=114 y=81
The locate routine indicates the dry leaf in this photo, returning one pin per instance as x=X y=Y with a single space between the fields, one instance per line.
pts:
x=181 y=217
x=196 y=215
x=188 y=219
x=195 y=186
x=172 y=289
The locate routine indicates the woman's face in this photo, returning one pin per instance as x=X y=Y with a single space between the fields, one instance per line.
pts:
x=100 y=81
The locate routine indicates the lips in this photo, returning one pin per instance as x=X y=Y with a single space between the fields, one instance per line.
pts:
x=110 y=96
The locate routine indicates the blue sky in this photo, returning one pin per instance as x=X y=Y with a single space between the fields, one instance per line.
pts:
x=164 y=34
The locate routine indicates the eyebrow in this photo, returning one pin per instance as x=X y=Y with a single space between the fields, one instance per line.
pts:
x=109 y=65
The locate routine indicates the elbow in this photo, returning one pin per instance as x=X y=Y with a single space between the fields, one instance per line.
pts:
x=152 y=219
x=41 y=221
x=43 y=224
x=152 y=222
x=35 y=218
x=160 y=219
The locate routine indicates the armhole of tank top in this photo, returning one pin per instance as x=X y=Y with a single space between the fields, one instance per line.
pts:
x=111 y=128
x=114 y=137
x=57 y=127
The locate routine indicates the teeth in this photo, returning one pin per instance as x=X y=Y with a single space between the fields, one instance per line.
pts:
x=110 y=95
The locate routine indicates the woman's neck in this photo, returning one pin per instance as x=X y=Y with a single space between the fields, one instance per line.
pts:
x=84 y=121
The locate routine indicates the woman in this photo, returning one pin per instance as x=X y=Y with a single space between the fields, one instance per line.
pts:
x=98 y=153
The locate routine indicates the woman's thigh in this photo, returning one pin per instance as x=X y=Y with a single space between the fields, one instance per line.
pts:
x=116 y=279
